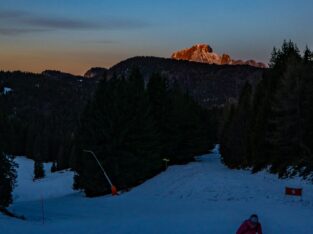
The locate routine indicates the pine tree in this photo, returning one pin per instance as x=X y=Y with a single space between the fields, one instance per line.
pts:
x=307 y=55
x=158 y=93
x=7 y=179
x=235 y=141
x=54 y=167
x=286 y=135
x=274 y=57
x=284 y=132
x=38 y=170
x=307 y=112
x=7 y=165
x=259 y=157
x=189 y=127
x=185 y=128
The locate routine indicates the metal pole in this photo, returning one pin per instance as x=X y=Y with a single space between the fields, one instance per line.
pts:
x=42 y=210
x=166 y=160
x=105 y=174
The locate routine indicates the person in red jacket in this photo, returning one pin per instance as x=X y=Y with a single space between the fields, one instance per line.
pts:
x=250 y=226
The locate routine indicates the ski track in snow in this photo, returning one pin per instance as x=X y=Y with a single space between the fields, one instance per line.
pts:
x=200 y=197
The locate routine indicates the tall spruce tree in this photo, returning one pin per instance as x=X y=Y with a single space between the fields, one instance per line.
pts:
x=307 y=55
x=38 y=170
x=158 y=93
x=189 y=127
x=284 y=133
x=235 y=137
x=262 y=126
x=7 y=165
x=53 y=167
x=307 y=112
x=7 y=179
x=260 y=155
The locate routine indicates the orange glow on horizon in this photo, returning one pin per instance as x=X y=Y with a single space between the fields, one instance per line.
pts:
x=37 y=64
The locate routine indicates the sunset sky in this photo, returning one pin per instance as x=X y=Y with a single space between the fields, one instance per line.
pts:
x=74 y=35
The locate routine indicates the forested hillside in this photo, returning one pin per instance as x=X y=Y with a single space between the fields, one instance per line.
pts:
x=44 y=109
x=43 y=113
x=273 y=127
x=210 y=85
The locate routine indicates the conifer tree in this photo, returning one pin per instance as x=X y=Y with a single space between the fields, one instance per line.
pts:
x=236 y=137
x=188 y=127
x=54 y=167
x=7 y=179
x=158 y=93
x=260 y=155
x=307 y=112
x=307 y=55
x=38 y=170
x=286 y=135
x=7 y=165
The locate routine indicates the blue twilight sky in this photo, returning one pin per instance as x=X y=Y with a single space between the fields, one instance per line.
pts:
x=74 y=35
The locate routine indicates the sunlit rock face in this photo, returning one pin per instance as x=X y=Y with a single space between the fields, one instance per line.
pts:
x=204 y=54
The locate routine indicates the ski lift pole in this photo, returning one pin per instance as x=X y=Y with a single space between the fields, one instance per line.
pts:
x=113 y=188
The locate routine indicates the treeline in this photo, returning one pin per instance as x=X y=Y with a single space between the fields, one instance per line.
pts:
x=272 y=126
x=132 y=127
x=43 y=114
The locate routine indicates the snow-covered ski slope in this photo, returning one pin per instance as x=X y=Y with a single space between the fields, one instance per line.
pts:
x=200 y=197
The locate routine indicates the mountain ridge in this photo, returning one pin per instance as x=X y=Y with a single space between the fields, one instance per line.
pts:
x=209 y=84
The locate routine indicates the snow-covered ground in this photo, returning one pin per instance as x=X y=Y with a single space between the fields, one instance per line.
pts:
x=7 y=90
x=200 y=197
x=53 y=185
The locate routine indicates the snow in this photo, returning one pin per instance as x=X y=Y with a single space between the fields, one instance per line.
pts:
x=200 y=197
x=7 y=90
x=53 y=185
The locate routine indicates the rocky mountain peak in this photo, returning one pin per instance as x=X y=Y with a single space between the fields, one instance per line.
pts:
x=204 y=53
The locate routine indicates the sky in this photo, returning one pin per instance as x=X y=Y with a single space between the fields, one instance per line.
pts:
x=74 y=35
